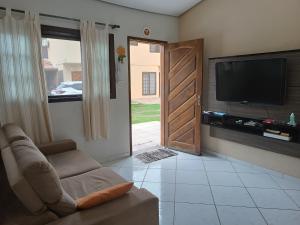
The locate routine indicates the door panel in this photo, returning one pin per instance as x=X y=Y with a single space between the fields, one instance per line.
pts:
x=182 y=96
x=183 y=87
x=182 y=72
x=182 y=119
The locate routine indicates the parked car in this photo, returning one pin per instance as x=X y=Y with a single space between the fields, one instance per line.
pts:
x=68 y=88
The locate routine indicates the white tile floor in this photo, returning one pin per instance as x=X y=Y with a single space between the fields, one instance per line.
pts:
x=215 y=190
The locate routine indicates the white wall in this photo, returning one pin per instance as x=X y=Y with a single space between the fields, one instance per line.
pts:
x=67 y=117
x=235 y=27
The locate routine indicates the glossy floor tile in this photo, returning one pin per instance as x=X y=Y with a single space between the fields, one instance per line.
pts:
x=132 y=174
x=160 y=175
x=215 y=190
x=222 y=166
x=294 y=195
x=224 y=179
x=191 y=177
x=271 y=198
x=189 y=164
x=232 y=196
x=195 y=214
x=166 y=213
x=287 y=182
x=164 y=191
x=257 y=180
x=281 y=217
x=191 y=193
x=240 y=216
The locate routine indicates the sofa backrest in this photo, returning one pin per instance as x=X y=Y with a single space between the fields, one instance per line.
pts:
x=42 y=177
x=30 y=175
x=3 y=140
x=19 y=184
x=14 y=133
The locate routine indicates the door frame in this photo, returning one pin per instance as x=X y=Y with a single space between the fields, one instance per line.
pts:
x=162 y=81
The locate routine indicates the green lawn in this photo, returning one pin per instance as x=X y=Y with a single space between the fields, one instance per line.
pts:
x=142 y=113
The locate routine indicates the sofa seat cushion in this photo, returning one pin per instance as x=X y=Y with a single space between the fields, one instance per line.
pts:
x=137 y=207
x=92 y=181
x=72 y=163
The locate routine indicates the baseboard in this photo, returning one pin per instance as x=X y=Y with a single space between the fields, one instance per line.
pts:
x=115 y=157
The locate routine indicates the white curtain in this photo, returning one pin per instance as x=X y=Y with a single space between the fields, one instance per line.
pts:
x=96 y=89
x=23 y=95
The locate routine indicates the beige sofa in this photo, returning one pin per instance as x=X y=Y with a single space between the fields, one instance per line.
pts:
x=39 y=185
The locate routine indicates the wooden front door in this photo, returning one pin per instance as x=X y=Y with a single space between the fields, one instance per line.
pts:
x=183 y=88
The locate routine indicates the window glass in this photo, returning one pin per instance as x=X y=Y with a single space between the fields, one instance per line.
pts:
x=149 y=83
x=154 y=48
x=62 y=66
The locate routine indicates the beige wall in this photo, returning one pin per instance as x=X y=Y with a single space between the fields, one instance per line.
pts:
x=142 y=60
x=231 y=27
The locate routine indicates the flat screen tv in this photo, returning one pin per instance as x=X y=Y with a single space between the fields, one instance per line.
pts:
x=257 y=81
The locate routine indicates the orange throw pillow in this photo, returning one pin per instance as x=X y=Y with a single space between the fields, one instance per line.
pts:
x=105 y=195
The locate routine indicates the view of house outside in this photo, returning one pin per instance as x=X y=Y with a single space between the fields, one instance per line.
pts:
x=145 y=82
x=62 y=66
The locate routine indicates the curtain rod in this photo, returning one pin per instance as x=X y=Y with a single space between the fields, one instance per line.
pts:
x=113 y=26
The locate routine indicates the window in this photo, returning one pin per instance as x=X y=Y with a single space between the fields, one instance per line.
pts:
x=154 y=48
x=149 y=83
x=63 y=58
x=61 y=55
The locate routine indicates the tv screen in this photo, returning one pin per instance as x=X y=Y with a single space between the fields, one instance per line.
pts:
x=257 y=81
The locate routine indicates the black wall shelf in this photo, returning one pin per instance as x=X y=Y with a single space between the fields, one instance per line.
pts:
x=255 y=127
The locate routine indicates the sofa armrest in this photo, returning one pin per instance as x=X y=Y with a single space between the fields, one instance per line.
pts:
x=135 y=208
x=57 y=147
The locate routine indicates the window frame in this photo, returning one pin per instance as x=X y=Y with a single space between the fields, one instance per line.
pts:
x=74 y=35
x=143 y=86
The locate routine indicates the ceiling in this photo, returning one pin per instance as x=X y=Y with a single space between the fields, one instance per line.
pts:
x=166 y=7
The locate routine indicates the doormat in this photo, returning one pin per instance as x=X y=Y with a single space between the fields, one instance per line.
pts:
x=148 y=157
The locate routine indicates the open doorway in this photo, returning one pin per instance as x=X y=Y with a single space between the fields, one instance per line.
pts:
x=145 y=94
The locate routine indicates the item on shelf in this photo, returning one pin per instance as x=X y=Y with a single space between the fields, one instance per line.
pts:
x=207 y=112
x=219 y=114
x=270 y=128
x=292 y=121
x=273 y=131
x=268 y=121
x=285 y=134
x=277 y=136
x=250 y=123
x=240 y=122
